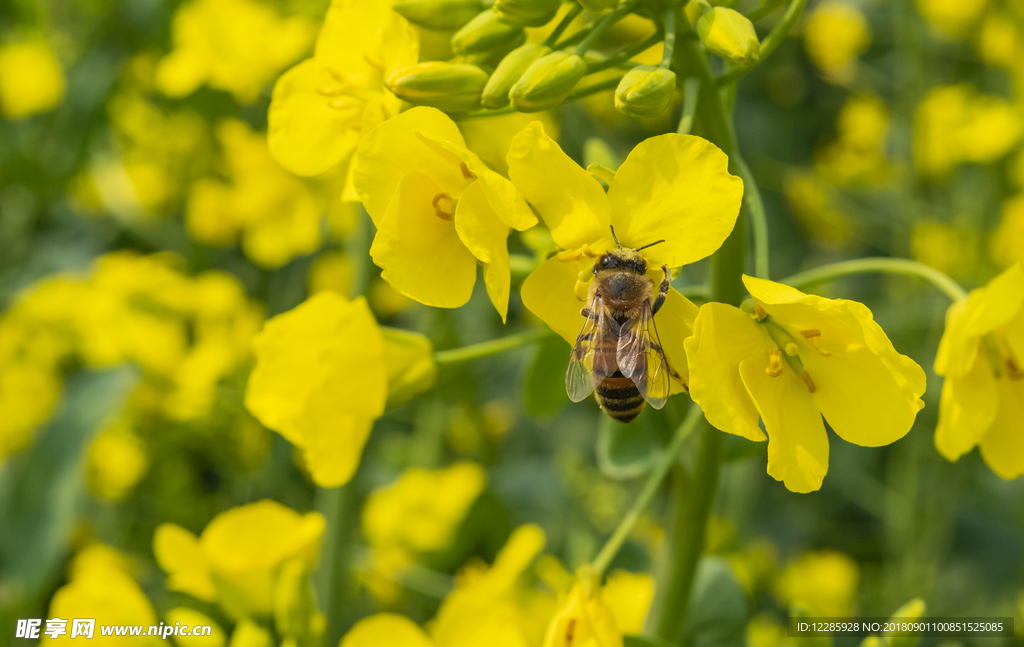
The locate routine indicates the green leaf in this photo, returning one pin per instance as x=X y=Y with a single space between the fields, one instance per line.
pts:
x=544 y=390
x=630 y=450
x=718 y=610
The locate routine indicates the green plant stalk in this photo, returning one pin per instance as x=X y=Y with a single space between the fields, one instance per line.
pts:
x=685 y=541
x=769 y=44
x=758 y=217
x=766 y=9
x=604 y=23
x=624 y=55
x=668 y=459
x=492 y=347
x=563 y=25
x=691 y=90
x=670 y=38
x=903 y=266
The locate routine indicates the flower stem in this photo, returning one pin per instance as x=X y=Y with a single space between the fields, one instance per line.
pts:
x=670 y=37
x=766 y=9
x=492 y=347
x=562 y=26
x=758 y=217
x=769 y=44
x=624 y=55
x=903 y=266
x=604 y=23
x=668 y=459
x=691 y=90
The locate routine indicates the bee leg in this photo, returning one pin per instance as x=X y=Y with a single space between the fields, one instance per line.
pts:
x=585 y=312
x=666 y=283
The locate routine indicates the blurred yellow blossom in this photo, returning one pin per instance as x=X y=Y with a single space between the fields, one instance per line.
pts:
x=997 y=40
x=857 y=155
x=952 y=17
x=331 y=271
x=1007 y=240
x=436 y=204
x=790 y=358
x=827 y=579
x=233 y=45
x=950 y=249
x=389 y=630
x=188 y=619
x=954 y=125
x=28 y=395
x=325 y=104
x=31 y=79
x=809 y=199
x=117 y=460
x=981 y=355
x=835 y=34
x=100 y=586
x=275 y=213
x=240 y=556
x=583 y=618
x=629 y=596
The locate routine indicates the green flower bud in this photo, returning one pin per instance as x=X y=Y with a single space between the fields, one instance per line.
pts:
x=439 y=14
x=547 y=82
x=486 y=31
x=532 y=13
x=448 y=87
x=729 y=34
x=509 y=71
x=645 y=91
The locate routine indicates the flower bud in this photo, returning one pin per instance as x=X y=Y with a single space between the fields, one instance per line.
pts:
x=729 y=34
x=645 y=91
x=486 y=31
x=532 y=13
x=509 y=71
x=547 y=82
x=439 y=14
x=447 y=87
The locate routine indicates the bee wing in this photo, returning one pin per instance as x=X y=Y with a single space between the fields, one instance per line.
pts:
x=641 y=358
x=584 y=361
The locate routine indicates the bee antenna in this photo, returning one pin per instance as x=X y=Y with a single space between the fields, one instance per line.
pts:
x=648 y=245
x=614 y=238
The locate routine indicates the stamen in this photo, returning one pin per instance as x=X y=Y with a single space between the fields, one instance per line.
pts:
x=761 y=314
x=372 y=63
x=576 y=290
x=812 y=336
x=774 y=364
x=1013 y=369
x=444 y=206
x=466 y=173
x=806 y=377
x=576 y=254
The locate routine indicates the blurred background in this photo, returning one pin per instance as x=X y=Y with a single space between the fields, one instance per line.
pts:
x=146 y=233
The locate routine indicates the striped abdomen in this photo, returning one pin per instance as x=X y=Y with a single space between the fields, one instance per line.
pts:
x=619 y=397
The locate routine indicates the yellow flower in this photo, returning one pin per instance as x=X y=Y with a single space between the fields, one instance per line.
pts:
x=857 y=156
x=836 y=33
x=322 y=106
x=240 y=556
x=790 y=358
x=117 y=461
x=438 y=210
x=31 y=79
x=672 y=187
x=814 y=209
x=954 y=17
x=583 y=619
x=388 y=630
x=827 y=579
x=1007 y=241
x=980 y=356
x=953 y=125
x=28 y=395
x=232 y=45
x=188 y=619
x=948 y=248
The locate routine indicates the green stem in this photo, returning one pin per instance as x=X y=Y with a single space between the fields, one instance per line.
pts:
x=758 y=217
x=667 y=460
x=691 y=90
x=493 y=347
x=562 y=26
x=604 y=23
x=766 y=9
x=902 y=266
x=769 y=44
x=624 y=55
x=670 y=37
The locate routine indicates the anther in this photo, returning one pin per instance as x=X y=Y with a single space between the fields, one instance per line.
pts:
x=466 y=173
x=372 y=63
x=806 y=377
x=774 y=364
x=444 y=206
x=761 y=314
x=1013 y=369
x=576 y=290
x=576 y=254
x=812 y=336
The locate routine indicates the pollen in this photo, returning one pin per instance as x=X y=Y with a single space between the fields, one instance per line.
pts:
x=774 y=363
x=806 y=377
x=466 y=173
x=444 y=206
x=812 y=336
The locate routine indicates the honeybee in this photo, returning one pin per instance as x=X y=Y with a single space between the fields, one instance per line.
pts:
x=618 y=353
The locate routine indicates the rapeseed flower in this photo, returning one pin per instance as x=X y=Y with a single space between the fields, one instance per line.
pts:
x=835 y=34
x=1007 y=241
x=436 y=204
x=826 y=578
x=591 y=614
x=241 y=556
x=857 y=155
x=322 y=106
x=674 y=188
x=233 y=45
x=981 y=355
x=789 y=358
x=952 y=17
x=31 y=79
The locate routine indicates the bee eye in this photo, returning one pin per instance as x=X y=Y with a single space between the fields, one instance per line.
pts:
x=607 y=261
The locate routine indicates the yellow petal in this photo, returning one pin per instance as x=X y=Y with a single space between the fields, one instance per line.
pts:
x=797 y=443
x=386 y=630
x=677 y=188
x=491 y=137
x=583 y=619
x=177 y=552
x=629 y=596
x=310 y=133
x=190 y=619
x=334 y=437
x=967 y=410
x=486 y=237
x=1003 y=446
x=986 y=309
x=571 y=202
x=393 y=150
x=548 y=293
x=421 y=254
x=722 y=337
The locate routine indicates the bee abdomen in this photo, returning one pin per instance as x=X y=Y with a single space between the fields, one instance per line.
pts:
x=619 y=398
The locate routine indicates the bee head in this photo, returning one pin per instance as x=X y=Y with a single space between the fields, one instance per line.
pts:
x=623 y=258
